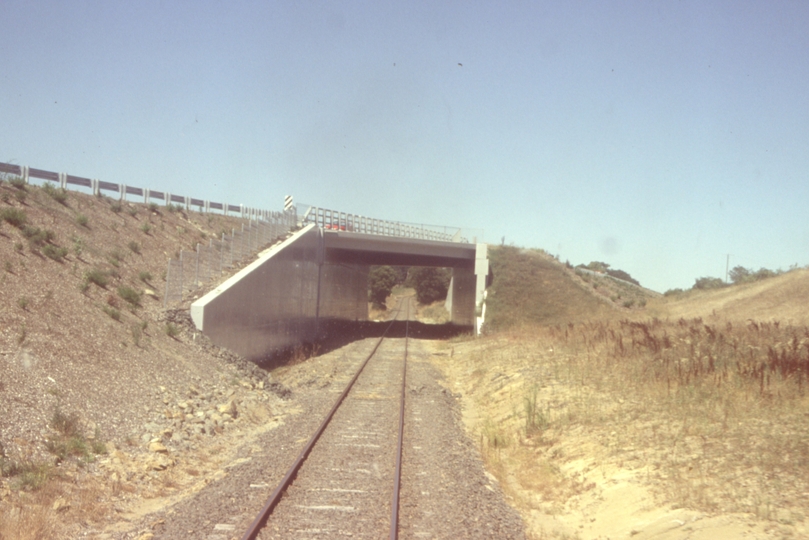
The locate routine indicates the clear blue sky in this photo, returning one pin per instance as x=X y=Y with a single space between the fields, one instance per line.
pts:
x=655 y=136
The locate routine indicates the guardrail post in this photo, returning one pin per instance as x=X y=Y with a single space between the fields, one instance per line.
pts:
x=222 y=254
x=232 y=243
x=24 y=173
x=168 y=280
x=188 y=207
x=145 y=195
x=182 y=273
x=167 y=198
x=121 y=192
x=207 y=207
x=63 y=180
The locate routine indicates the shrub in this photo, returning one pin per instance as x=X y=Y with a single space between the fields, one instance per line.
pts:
x=130 y=295
x=431 y=284
x=21 y=195
x=32 y=476
x=82 y=220
x=146 y=228
x=134 y=246
x=54 y=252
x=23 y=302
x=705 y=283
x=97 y=445
x=78 y=245
x=66 y=424
x=381 y=280
x=17 y=182
x=145 y=277
x=112 y=312
x=172 y=330
x=57 y=194
x=18 y=246
x=14 y=217
x=132 y=210
x=116 y=206
x=9 y=267
x=37 y=237
x=115 y=257
x=673 y=292
x=152 y=207
x=97 y=276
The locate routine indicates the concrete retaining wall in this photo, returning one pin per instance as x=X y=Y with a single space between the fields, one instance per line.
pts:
x=273 y=303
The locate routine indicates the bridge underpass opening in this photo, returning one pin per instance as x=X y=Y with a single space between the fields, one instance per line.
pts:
x=296 y=291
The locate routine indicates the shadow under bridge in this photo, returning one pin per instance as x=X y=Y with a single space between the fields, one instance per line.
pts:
x=299 y=290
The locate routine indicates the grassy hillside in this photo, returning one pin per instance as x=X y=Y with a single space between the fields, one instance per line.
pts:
x=681 y=418
x=530 y=287
x=783 y=298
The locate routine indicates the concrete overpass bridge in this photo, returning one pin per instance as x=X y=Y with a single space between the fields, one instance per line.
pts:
x=295 y=291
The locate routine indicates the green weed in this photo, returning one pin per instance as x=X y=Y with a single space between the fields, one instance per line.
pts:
x=14 y=217
x=112 y=312
x=98 y=277
x=130 y=295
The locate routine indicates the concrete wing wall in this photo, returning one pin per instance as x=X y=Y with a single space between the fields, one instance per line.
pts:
x=270 y=304
x=344 y=292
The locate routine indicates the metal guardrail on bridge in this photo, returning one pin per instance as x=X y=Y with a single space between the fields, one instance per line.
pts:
x=343 y=221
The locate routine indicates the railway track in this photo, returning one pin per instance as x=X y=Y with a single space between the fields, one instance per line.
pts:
x=345 y=482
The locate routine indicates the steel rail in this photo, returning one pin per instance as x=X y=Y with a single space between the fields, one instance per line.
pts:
x=394 y=519
x=275 y=497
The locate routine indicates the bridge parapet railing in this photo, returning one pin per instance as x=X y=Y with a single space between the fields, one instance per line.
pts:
x=343 y=221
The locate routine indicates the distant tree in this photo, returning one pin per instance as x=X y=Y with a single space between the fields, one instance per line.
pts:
x=739 y=274
x=401 y=273
x=604 y=268
x=620 y=274
x=708 y=283
x=673 y=292
x=764 y=273
x=431 y=284
x=381 y=280
x=596 y=266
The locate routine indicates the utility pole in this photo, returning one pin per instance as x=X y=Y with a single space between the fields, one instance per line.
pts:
x=727 y=268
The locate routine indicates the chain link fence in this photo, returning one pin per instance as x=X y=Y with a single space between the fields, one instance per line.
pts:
x=195 y=269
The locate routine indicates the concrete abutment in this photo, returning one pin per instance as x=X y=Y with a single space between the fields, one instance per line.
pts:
x=291 y=293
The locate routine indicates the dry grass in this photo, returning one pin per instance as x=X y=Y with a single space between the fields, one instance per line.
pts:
x=712 y=417
x=782 y=298
x=575 y=401
x=27 y=522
